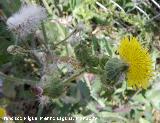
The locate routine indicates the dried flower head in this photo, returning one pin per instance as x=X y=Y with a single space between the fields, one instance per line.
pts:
x=26 y=20
x=139 y=61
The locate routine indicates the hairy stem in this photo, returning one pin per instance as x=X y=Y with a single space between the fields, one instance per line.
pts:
x=18 y=80
x=73 y=32
x=73 y=77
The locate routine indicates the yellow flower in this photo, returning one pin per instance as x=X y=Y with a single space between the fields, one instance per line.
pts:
x=140 y=63
x=2 y=112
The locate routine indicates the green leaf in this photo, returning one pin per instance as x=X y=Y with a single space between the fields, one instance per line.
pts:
x=111 y=116
x=154 y=97
x=108 y=47
x=142 y=120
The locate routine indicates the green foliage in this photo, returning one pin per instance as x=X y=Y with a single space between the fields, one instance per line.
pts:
x=5 y=42
x=83 y=54
x=82 y=79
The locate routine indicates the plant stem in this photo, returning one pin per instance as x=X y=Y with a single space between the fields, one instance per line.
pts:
x=143 y=12
x=45 y=36
x=155 y=3
x=46 y=41
x=47 y=7
x=44 y=32
x=73 y=32
x=112 y=1
x=39 y=114
x=102 y=6
x=153 y=18
x=73 y=77
x=18 y=80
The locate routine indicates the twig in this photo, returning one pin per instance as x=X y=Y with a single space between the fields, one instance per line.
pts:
x=117 y=5
x=143 y=12
x=73 y=32
x=102 y=6
x=155 y=3
x=153 y=18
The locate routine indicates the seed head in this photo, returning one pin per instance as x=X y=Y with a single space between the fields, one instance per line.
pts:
x=26 y=20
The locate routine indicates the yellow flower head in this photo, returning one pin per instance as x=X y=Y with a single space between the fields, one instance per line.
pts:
x=2 y=112
x=139 y=61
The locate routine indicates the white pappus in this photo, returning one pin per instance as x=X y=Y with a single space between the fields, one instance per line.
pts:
x=26 y=20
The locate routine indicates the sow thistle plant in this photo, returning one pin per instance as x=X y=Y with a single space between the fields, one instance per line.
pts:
x=134 y=61
x=26 y=20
